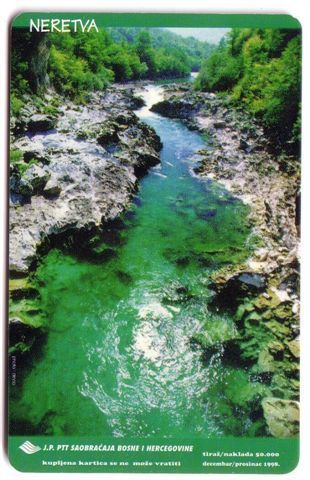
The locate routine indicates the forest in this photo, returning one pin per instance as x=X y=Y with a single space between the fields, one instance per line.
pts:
x=82 y=62
x=261 y=69
x=194 y=50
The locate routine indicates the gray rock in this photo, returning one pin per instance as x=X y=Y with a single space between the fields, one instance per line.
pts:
x=20 y=186
x=108 y=134
x=294 y=348
x=36 y=154
x=243 y=144
x=25 y=187
x=282 y=416
x=89 y=185
x=52 y=188
x=137 y=102
x=254 y=280
x=219 y=124
x=14 y=182
x=37 y=177
x=266 y=362
x=41 y=123
x=174 y=108
x=32 y=149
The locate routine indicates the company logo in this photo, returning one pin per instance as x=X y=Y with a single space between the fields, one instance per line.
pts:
x=29 y=448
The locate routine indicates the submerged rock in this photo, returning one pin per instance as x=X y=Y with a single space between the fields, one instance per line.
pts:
x=25 y=344
x=282 y=417
x=176 y=292
x=207 y=213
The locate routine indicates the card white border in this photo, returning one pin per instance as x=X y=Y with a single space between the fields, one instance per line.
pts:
x=297 y=8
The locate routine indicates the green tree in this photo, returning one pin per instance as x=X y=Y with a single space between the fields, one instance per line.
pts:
x=260 y=68
x=146 y=53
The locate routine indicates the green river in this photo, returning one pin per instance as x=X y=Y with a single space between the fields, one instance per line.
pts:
x=118 y=360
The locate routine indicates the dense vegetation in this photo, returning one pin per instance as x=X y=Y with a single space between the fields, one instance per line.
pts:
x=168 y=44
x=80 y=62
x=262 y=70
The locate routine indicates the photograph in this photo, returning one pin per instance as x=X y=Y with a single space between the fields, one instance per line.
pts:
x=154 y=224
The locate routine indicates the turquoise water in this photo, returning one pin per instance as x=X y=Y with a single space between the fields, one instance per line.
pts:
x=118 y=359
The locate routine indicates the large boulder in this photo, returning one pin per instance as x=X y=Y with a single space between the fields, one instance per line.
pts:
x=143 y=160
x=282 y=416
x=174 y=108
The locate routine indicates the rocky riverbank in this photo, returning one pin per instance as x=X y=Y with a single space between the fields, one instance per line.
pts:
x=74 y=169
x=263 y=293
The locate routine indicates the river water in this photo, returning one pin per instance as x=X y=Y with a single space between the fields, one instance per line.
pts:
x=119 y=360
